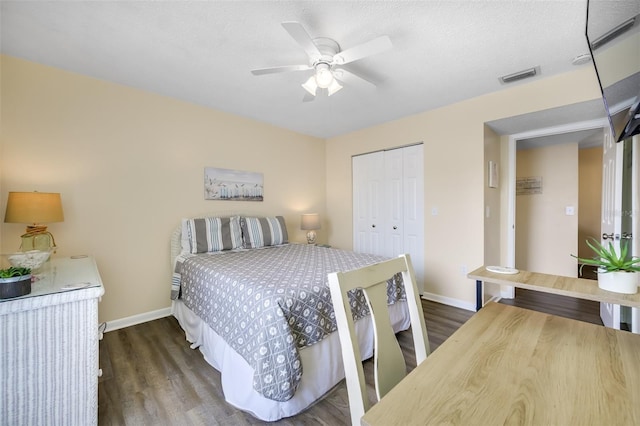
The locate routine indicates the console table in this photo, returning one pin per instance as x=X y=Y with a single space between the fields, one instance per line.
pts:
x=49 y=347
x=580 y=288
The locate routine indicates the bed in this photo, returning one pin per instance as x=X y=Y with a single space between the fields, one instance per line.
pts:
x=259 y=310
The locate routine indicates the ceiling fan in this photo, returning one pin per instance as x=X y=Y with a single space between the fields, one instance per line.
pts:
x=326 y=59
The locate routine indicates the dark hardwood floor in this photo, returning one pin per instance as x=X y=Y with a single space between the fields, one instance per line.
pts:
x=563 y=306
x=152 y=377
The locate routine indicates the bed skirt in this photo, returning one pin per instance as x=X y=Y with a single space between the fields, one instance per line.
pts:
x=322 y=363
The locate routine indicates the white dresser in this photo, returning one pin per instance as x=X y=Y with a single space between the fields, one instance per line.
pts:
x=49 y=348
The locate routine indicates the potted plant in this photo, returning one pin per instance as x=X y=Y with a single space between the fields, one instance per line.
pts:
x=616 y=271
x=14 y=282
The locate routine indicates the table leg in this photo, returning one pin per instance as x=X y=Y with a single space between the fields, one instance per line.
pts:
x=479 y=295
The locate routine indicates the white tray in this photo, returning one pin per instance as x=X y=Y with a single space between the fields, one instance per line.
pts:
x=502 y=270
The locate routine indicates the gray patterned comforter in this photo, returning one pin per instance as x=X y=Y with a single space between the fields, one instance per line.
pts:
x=269 y=302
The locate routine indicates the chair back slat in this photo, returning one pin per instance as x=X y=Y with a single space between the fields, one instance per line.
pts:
x=389 y=363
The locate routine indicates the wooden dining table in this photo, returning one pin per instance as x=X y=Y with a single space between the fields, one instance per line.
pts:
x=508 y=365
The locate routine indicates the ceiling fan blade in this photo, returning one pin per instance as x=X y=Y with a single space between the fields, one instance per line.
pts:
x=372 y=47
x=285 y=68
x=351 y=78
x=300 y=35
x=308 y=97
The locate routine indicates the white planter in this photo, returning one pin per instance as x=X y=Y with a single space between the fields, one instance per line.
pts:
x=619 y=282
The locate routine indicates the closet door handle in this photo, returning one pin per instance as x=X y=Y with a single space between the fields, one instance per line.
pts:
x=373 y=226
x=607 y=236
x=395 y=227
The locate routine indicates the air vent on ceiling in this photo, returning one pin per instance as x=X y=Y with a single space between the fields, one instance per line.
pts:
x=613 y=33
x=520 y=75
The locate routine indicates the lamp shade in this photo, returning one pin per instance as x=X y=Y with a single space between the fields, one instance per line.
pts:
x=310 y=221
x=333 y=87
x=310 y=85
x=33 y=207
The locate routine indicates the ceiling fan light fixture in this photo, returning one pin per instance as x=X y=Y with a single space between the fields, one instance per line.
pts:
x=334 y=87
x=324 y=76
x=326 y=58
x=310 y=85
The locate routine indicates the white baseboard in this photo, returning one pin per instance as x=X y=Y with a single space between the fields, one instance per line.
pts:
x=456 y=303
x=137 y=319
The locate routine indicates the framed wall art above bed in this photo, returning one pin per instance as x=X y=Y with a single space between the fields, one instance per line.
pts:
x=232 y=185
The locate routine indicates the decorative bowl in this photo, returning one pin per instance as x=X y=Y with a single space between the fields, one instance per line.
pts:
x=32 y=259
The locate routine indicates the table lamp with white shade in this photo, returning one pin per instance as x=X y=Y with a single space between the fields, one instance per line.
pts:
x=310 y=222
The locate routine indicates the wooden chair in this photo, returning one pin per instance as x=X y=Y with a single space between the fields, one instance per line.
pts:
x=389 y=363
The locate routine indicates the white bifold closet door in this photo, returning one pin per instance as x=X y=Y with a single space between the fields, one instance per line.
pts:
x=388 y=205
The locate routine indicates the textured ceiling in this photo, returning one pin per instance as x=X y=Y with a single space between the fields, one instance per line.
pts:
x=203 y=52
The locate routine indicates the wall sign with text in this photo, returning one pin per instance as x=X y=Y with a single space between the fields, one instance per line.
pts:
x=529 y=185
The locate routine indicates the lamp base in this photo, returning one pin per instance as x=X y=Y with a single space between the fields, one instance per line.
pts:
x=36 y=242
x=37 y=238
x=311 y=237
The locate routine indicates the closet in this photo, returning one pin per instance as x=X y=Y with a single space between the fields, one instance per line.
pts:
x=388 y=204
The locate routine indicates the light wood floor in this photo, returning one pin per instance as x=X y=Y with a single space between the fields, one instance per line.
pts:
x=152 y=377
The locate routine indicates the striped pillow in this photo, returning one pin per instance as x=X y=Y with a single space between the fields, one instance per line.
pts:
x=263 y=231
x=209 y=234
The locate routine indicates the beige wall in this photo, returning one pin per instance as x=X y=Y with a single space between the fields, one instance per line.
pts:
x=129 y=165
x=492 y=208
x=491 y=200
x=590 y=197
x=505 y=198
x=545 y=235
x=454 y=172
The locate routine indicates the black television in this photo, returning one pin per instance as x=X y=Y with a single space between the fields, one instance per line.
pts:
x=613 y=36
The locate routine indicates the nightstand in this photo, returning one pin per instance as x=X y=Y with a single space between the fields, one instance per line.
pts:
x=49 y=347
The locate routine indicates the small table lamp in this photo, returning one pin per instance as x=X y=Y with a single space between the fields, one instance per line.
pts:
x=310 y=222
x=34 y=208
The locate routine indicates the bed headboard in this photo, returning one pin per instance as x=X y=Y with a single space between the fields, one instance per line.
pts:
x=176 y=235
x=176 y=244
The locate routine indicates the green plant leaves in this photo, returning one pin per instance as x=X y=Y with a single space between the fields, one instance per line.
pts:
x=608 y=260
x=14 y=272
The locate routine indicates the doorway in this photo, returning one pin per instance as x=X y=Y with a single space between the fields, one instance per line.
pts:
x=558 y=200
x=545 y=232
